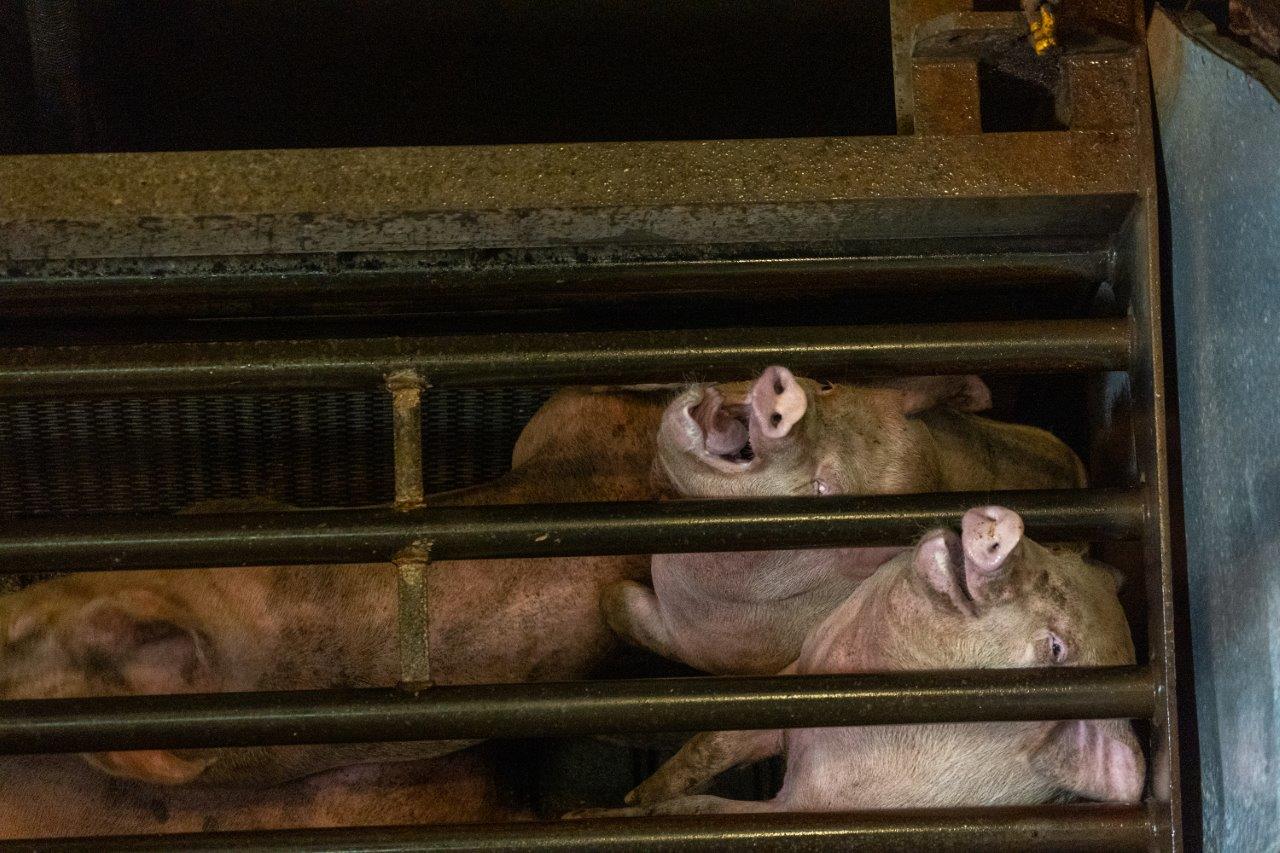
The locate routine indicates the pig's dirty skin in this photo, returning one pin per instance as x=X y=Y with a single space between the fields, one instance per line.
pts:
x=748 y=612
x=58 y=796
x=987 y=598
x=316 y=627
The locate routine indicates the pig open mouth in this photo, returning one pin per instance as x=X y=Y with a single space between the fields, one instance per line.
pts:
x=736 y=432
x=725 y=428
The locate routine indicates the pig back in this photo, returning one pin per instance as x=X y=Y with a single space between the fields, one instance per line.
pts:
x=975 y=453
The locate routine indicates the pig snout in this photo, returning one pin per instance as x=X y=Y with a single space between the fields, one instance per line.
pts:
x=989 y=534
x=964 y=568
x=777 y=403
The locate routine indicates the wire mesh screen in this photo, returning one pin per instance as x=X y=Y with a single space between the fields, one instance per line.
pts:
x=157 y=455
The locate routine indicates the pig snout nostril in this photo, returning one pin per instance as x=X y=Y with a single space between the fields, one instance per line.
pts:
x=775 y=418
x=995 y=546
x=778 y=387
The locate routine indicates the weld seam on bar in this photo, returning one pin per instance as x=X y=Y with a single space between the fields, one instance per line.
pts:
x=1082 y=827
x=548 y=530
x=463 y=712
x=1029 y=346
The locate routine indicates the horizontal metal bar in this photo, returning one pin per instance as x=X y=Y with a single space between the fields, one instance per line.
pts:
x=547 y=530
x=1039 y=828
x=237 y=286
x=32 y=726
x=560 y=358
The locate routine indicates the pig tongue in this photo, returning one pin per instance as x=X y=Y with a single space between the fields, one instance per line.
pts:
x=723 y=434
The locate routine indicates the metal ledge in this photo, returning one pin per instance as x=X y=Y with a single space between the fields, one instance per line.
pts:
x=558 y=358
x=1018 y=829
x=463 y=712
x=547 y=530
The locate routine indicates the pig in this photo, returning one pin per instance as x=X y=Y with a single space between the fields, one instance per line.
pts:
x=317 y=627
x=748 y=612
x=986 y=598
x=58 y=797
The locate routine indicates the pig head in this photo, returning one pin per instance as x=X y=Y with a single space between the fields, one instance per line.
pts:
x=787 y=435
x=986 y=597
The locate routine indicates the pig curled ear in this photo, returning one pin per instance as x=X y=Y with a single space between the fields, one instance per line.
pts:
x=156 y=766
x=145 y=641
x=962 y=393
x=1095 y=759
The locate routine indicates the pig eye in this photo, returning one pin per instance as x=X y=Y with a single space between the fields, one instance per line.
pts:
x=826 y=388
x=1056 y=649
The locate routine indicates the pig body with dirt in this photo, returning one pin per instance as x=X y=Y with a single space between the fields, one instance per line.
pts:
x=987 y=598
x=57 y=796
x=317 y=627
x=748 y=612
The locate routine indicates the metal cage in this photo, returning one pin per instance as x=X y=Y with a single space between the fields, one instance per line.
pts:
x=1037 y=248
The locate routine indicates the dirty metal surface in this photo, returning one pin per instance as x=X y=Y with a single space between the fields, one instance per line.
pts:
x=1219 y=118
x=263 y=202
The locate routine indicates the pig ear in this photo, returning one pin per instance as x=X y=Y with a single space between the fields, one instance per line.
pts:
x=156 y=766
x=937 y=561
x=778 y=402
x=963 y=393
x=1096 y=759
x=145 y=641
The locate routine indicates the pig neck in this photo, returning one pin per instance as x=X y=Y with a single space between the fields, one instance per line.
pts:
x=974 y=452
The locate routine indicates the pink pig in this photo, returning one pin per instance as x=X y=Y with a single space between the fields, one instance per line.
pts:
x=987 y=598
x=748 y=612
x=318 y=627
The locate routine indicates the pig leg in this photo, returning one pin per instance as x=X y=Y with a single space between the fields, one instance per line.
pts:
x=632 y=611
x=704 y=757
x=697 y=804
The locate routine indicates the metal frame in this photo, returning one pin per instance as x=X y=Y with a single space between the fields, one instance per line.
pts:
x=152 y=228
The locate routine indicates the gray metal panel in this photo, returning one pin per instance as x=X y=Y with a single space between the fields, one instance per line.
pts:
x=1220 y=131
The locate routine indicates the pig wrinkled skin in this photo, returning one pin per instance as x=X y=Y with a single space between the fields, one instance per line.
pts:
x=987 y=598
x=748 y=612
x=317 y=627
x=58 y=796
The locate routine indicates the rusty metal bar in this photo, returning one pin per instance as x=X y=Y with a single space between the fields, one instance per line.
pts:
x=547 y=530
x=412 y=613
x=406 y=425
x=1030 y=346
x=464 y=712
x=1082 y=827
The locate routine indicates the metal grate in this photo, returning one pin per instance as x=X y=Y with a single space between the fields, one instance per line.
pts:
x=160 y=454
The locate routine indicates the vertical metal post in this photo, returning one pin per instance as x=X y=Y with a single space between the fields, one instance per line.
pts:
x=414 y=624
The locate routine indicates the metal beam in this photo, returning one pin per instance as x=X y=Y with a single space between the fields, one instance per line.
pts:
x=546 y=530
x=464 y=712
x=1037 y=828
x=1048 y=346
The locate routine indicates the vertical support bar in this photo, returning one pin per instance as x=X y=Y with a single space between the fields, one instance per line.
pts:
x=406 y=424
x=413 y=620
